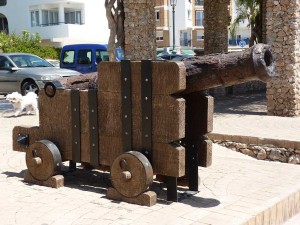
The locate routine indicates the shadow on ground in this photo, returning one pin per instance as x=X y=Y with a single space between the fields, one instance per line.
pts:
x=247 y=104
x=97 y=181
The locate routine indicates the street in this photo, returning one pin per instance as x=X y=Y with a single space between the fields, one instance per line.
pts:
x=4 y=105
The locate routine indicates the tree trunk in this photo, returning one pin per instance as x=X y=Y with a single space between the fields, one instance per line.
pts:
x=115 y=18
x=216 y=22
x=210 y=71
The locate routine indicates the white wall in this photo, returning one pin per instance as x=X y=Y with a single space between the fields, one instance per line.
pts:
x=95 y=29
x=242 y=29
x=181 y=20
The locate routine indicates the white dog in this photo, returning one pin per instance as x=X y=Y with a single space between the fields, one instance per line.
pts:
x=21 y=103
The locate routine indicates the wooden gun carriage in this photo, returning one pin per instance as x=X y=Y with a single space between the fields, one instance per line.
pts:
x=141 y=120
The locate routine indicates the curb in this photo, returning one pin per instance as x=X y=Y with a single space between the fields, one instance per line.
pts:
x=282 y=143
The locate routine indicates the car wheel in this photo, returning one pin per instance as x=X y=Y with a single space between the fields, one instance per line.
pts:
x=29 y=86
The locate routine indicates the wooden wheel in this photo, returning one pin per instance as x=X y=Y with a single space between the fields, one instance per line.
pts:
x=131 y=174
x=43 y=160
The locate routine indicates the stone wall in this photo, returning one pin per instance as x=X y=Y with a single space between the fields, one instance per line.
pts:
x=264 y=152
x=139 y=27
x=282 y=33
x=216 y=21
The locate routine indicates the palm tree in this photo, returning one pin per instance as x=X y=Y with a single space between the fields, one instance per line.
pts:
x=250 y=10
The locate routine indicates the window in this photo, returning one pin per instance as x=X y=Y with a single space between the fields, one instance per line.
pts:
x=35 y=18
x=199 y=18
x=199 y=2
x=159 y=36
x=3 y=2
x=73 y=17
x=157 y=15
x=200 y=36
x=69 y=57
x=5 y=63
x=49 y=17
x=3 y=25
x=84 y=56
x=101 y=56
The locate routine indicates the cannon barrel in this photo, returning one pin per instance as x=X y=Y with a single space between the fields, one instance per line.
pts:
x=210 y=71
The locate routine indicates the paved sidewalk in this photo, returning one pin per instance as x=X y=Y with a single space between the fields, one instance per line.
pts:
x=236 y=189
x=237 y=118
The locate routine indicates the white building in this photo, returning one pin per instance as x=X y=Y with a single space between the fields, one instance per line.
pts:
x=243 y=30
x=189 y=24
x=183 y=23
x=59 y=22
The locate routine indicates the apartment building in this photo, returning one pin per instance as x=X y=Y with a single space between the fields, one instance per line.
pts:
x=198 y=24
x=59 y=22
x=189 y=23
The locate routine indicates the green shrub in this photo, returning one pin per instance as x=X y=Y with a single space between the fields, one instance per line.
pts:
x=27 y=43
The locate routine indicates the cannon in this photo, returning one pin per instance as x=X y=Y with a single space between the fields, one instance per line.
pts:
x=138 y=119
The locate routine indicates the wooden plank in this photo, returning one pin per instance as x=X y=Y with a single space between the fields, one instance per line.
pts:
x=168 y=77
x=205 y=153
x=168 y=160
x=55 y=121
x=148 y=198
x=168 y=117
x=206 y=113
x=173 y=79
x=109 y=77
x=109 y=149
x=110 y=114
x=34 y=134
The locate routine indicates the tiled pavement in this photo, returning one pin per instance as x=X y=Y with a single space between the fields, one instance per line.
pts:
x=236 y=189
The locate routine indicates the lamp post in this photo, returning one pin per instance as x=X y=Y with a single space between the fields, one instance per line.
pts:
x=173 y=4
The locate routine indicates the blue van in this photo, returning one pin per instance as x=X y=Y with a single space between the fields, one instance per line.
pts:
x=84 y=58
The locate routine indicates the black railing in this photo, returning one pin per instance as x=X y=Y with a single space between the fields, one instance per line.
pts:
x=58 y=23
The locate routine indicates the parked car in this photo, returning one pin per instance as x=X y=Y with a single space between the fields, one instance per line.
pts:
x=54 y=62
x=175 y=57
x=84 y=58
x=182 y=57
x=23 y=73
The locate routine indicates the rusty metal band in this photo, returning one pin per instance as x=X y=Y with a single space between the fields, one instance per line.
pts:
x=146 y=104
x=192 y=148
x=93 y=126
x=55 y=153
x=75 y=118
x=126 y=105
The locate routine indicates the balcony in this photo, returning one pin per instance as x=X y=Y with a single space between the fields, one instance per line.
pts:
x=61 y=30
